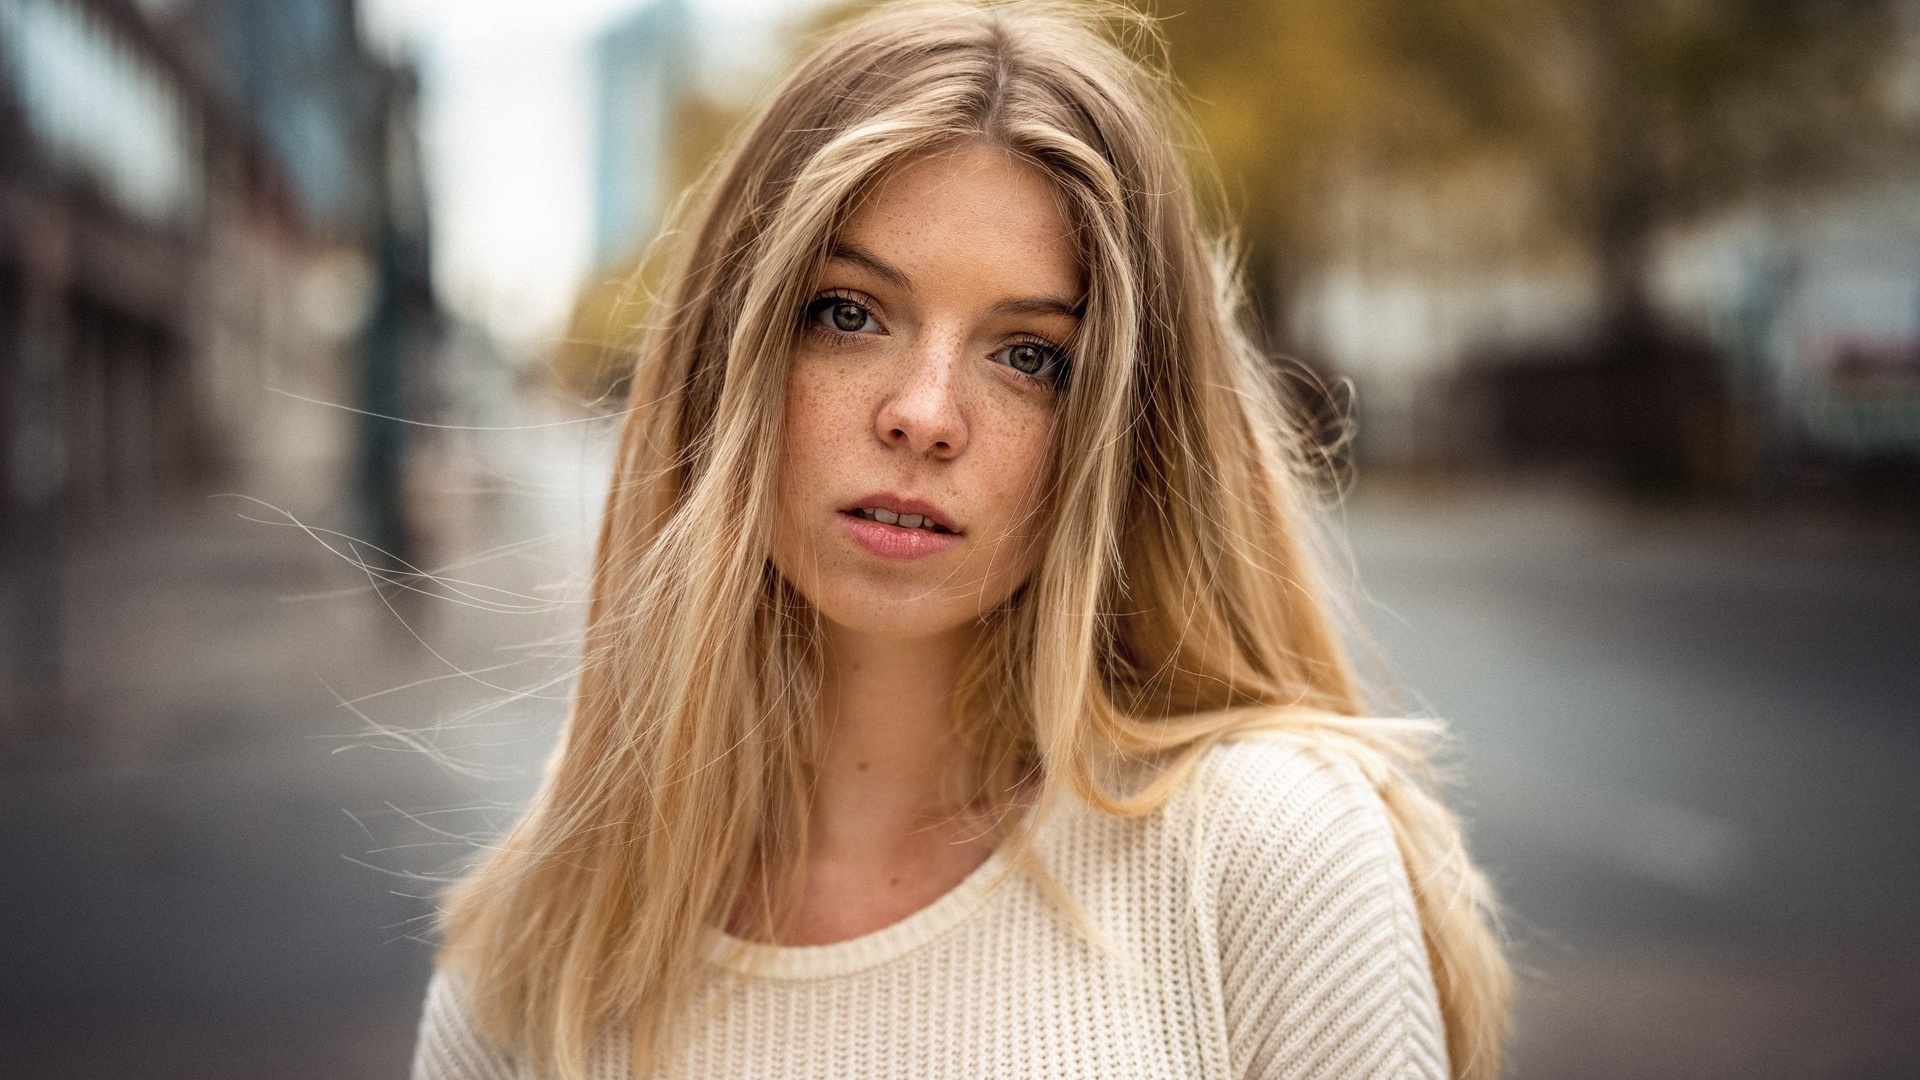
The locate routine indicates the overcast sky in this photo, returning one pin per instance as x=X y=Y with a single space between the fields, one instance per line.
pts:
x=506 y=128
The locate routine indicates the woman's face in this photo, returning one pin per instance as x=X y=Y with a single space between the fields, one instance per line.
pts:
x=922 y=390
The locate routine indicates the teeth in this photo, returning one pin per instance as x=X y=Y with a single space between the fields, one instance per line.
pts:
x=905 y=521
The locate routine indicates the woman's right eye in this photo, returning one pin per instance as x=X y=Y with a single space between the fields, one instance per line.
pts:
x=841 y=315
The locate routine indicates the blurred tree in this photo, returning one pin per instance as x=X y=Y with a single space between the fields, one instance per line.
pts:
x=1673 y=109
x=1296 y=97
x=1635 y=115
x=1666 y=111
x=1630 y=117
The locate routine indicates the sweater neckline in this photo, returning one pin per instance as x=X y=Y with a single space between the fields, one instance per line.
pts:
x=870 y=950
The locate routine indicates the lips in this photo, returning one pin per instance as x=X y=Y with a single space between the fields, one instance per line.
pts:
x=882 y=505
x=918 y=528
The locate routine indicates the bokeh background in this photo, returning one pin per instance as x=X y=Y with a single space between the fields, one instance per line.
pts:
x=310 y=322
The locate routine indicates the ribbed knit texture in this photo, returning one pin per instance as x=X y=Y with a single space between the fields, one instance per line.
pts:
x=1259 y=925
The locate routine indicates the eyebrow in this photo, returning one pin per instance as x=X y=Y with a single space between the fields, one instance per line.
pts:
x=851 y=252
x=848 y=251
x=1040 y=305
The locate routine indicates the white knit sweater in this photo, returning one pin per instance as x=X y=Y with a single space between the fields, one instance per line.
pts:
x=1259 y=925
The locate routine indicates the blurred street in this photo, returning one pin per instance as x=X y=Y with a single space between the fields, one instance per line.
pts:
x=1690 y=752
x=211 y=868
x=1688 y=739
x=339 y=258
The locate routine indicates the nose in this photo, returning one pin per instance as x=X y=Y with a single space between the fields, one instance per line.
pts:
x=922 y=412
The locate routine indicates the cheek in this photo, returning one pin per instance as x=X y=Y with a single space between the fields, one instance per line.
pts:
x=822 y=411
x=1021 y=469
x=828 y=408
x=820 y=433
x=798 y=453
x=799 y=432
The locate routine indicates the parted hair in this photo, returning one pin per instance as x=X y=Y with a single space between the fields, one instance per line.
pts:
x=1178 y=599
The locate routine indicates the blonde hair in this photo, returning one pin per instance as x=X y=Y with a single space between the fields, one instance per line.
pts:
x=1177 y=601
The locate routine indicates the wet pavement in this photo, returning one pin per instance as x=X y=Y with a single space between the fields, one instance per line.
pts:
x=1689 y=740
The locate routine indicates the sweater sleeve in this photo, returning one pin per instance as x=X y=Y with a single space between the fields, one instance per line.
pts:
x=450 y=1046
x=1323 y=968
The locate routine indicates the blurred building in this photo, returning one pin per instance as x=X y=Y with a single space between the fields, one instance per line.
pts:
x=126 y=181
x=641 y=68
x=344 y=123
x=202 y=202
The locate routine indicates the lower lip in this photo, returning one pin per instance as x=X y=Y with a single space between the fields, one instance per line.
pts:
x=894 y=542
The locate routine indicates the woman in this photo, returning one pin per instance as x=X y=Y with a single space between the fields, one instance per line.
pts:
x=959 y=697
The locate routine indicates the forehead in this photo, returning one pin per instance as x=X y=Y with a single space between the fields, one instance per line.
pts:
x=971 y=214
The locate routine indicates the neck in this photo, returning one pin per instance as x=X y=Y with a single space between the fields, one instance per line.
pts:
x=889 y=769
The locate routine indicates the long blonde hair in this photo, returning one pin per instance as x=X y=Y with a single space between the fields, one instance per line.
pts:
x=1178 y=600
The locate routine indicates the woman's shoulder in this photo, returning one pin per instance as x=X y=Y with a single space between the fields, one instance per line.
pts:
x=1260 y=781
x=1279 y=816
x=450 y=1045
x=1266 y=807
x=1312 y=911
x=1273 y=794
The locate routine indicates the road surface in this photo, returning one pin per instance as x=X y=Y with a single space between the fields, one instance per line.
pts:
x=1690 y=744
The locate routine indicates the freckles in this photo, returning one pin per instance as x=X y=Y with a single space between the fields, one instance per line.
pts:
x=816 y=406
x=828 y=400
x=1018 y=466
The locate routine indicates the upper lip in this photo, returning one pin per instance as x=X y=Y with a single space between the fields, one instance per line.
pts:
x=901 y=504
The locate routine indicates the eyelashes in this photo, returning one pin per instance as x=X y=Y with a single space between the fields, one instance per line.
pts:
x=842 y=316
x=833 y=312
x=1036 y=359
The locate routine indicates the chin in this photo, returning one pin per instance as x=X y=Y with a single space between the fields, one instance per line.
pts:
x=902 y=601
x=899 y=613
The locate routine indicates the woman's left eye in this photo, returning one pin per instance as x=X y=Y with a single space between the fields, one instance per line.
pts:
x=1035 y=359
x=841 y=315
